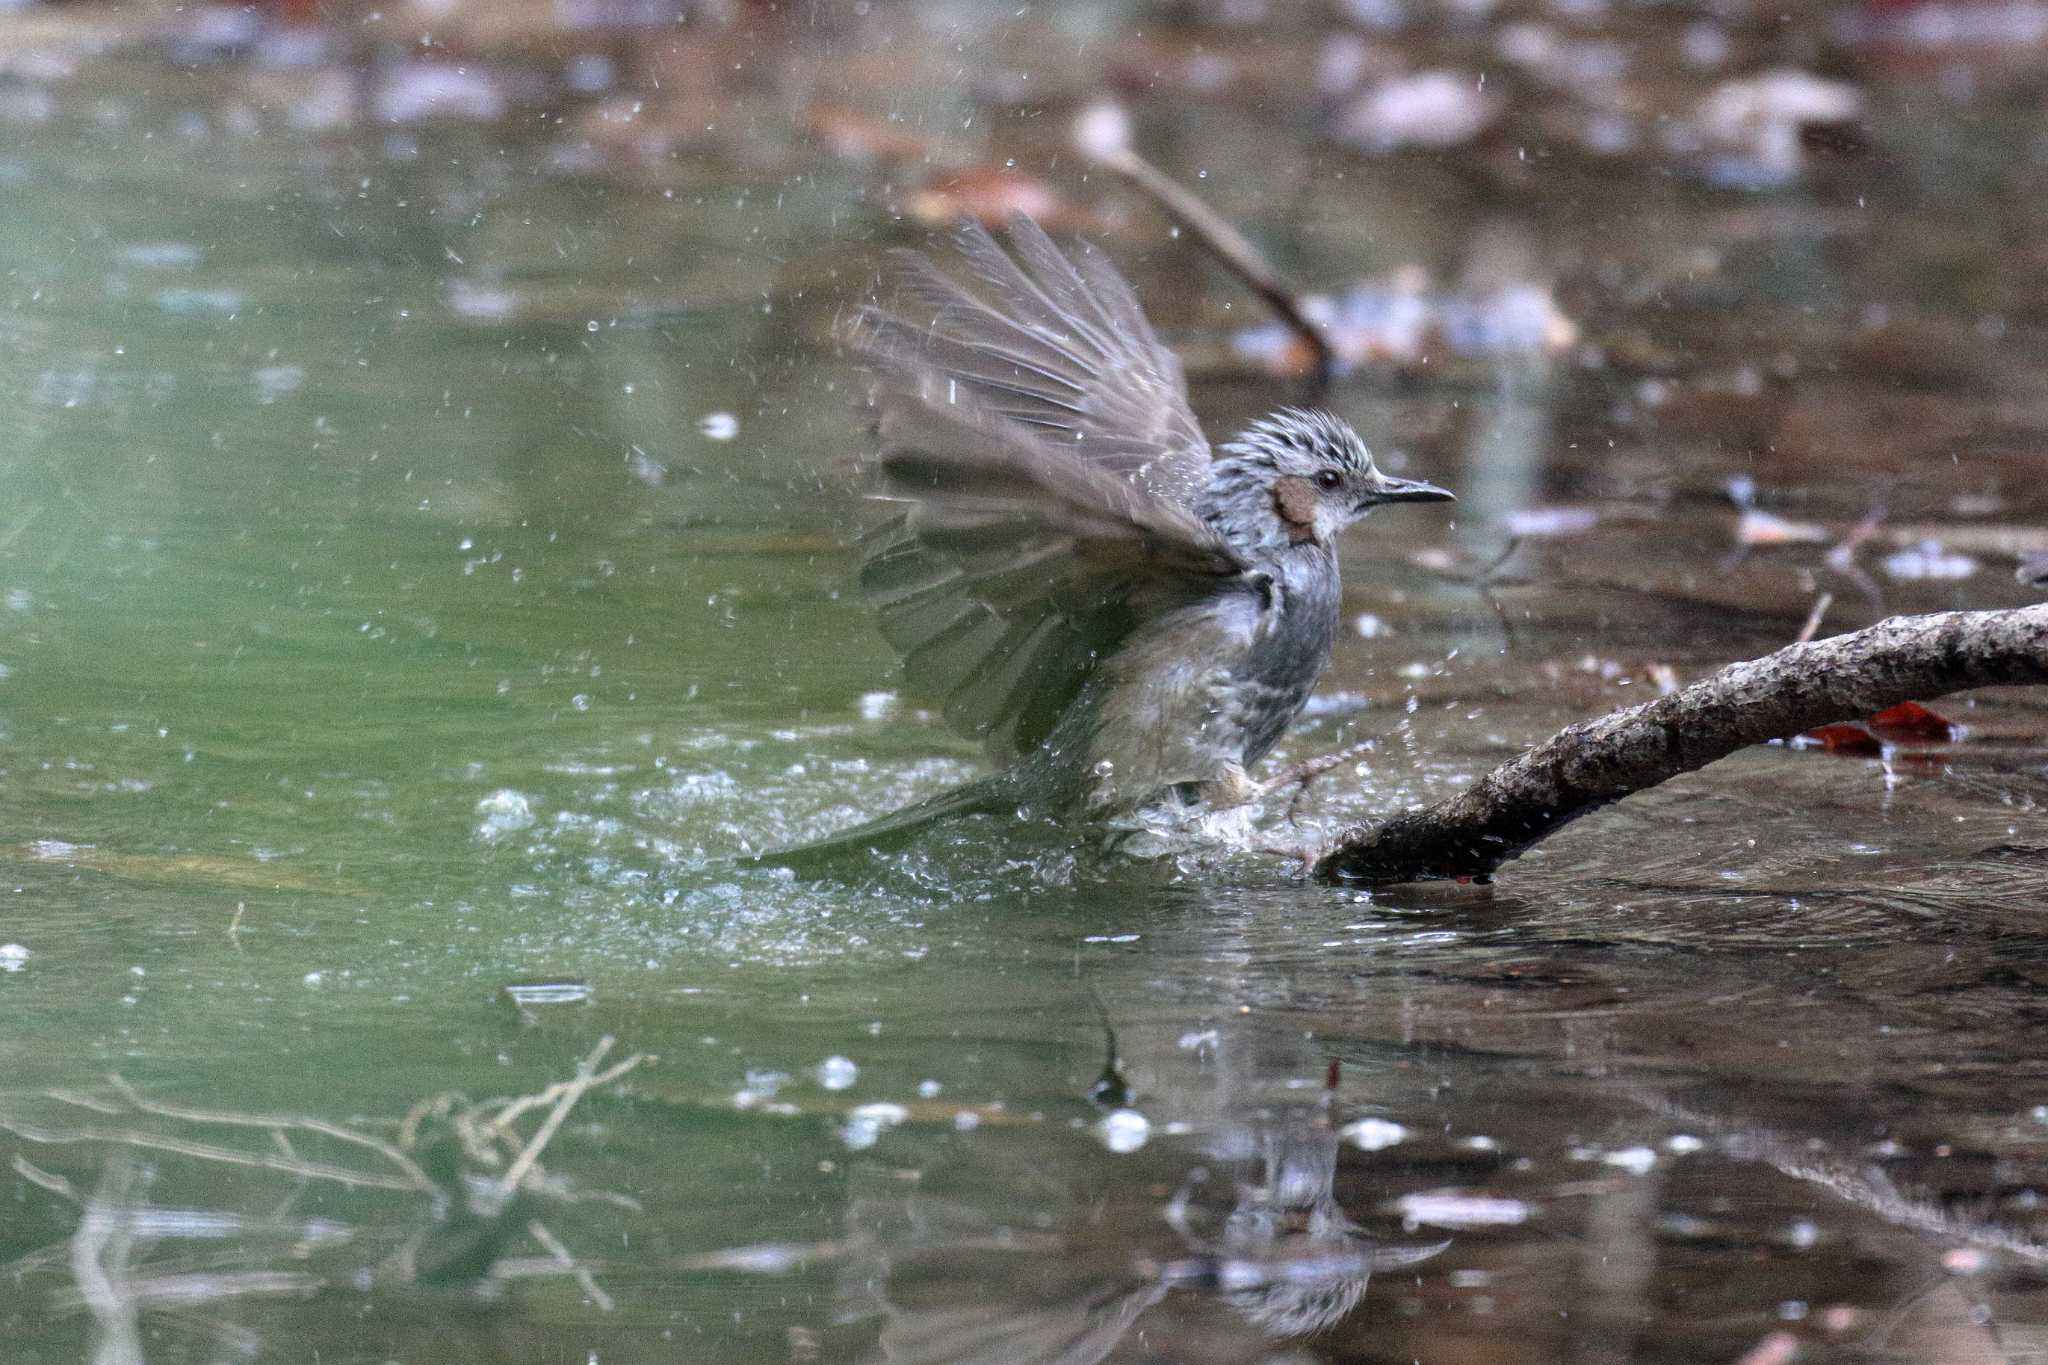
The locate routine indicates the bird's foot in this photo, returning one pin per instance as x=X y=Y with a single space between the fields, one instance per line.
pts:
x=1305 y=849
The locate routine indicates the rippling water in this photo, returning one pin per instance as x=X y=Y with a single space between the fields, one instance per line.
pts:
x=424 y=557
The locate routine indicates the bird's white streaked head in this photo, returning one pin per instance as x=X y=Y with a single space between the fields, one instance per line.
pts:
x=1299 y=476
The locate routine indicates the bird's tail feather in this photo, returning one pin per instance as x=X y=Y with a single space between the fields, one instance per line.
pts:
x=896 y=828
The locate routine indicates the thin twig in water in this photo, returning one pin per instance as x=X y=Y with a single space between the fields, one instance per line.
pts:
x=243 y=1341
x=1842 y=557
x=207 y=1151
x=211 y=1286
x=36 y=1175
x=1482 y=583
x=117 y=1226
x=1814 y=617
x=1497 y=563
x=99 y=1266
x=587 y=1075
x=278 y=1124
x=1211 y=231
x=434 y=1107
x=500 y=1124
x=539 y=1232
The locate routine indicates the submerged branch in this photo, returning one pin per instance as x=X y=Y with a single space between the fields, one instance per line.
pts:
x=1595 y=763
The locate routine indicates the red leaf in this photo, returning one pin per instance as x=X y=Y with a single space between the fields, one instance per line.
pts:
x=1911 y=720
x=1852 y=741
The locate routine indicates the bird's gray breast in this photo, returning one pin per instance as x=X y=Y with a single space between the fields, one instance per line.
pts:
x=1288 y=655
x=1210 y=686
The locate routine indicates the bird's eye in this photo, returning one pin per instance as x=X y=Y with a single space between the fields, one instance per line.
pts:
x=1328 y=480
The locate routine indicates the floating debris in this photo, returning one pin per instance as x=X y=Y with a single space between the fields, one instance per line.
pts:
x=1373 y=1134
x=1756 y=529
x=530 y=994
x=1634 y=1160
x=992 y=197
x=1752 y=129
x=646 y=468
x=1400 y=320
x=1928 y=561
x=1433 y=109
x=481 y=300
x=414 y=91
x=1550 y=522
x=1446 y=1210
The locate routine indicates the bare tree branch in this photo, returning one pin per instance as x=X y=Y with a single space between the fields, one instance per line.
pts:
x=1597 y=762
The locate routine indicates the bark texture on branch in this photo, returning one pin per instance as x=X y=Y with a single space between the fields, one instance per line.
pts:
x=1597 y=762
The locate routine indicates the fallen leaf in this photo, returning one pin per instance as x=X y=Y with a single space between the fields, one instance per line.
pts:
x=854 y=136
x=1907 y=723
x=990 y=197
x=1851 y=741
x=1909 y=720
x=1755 y=529
x=1550 y=521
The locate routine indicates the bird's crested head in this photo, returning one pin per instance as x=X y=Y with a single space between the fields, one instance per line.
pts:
x=1300 y=476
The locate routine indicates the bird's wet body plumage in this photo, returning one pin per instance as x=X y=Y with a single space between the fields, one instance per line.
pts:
x=1121 y=616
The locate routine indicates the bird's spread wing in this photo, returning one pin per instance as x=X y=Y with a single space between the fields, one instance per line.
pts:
x=1014 y=566
x=1057 y=345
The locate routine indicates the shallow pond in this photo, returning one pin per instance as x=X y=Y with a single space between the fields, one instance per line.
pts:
x=424 y=546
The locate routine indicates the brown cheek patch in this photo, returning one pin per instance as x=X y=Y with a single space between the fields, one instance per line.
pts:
x=1295 y=500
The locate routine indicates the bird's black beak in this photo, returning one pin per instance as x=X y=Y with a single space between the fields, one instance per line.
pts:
x=1405 y=490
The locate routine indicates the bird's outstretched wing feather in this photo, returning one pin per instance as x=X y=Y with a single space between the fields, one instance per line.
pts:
x=1059 y=346
x=1014 y=566
x=1037 y=437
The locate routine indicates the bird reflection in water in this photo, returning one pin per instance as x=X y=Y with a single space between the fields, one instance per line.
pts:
x=968 y=1263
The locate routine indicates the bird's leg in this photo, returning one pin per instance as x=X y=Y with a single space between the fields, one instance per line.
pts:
x=1233 y=786
x=1299 y=775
